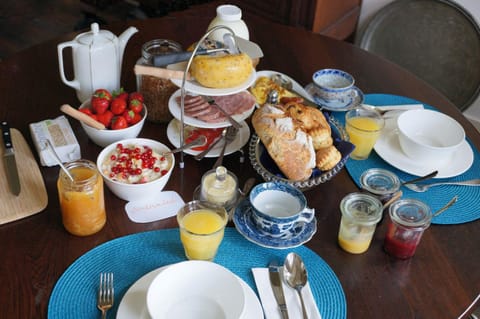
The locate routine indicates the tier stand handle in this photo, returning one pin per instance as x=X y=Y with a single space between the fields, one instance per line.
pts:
x=184 y=78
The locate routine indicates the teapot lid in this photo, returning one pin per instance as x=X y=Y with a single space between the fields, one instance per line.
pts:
x=96 y=36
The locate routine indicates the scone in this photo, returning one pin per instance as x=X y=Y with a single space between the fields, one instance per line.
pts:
x=327 y=158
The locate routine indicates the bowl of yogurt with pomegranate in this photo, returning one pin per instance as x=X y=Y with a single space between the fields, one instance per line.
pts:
x=135 y=168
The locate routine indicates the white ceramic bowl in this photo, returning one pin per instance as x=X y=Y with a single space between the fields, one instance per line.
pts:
x=106 y=137
x=429 y=136
x=195 y=289
x=132 y=192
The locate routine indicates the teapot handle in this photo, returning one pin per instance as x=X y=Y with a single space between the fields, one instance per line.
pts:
x=74 y=83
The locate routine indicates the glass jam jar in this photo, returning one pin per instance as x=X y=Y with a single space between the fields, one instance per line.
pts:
x=360 y=215
x=408 y=220
x=381 y=183
x=81 y=200
x=156 y=91
x=219 y=187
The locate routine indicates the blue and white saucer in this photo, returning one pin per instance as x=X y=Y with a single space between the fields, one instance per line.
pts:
x=337 y=105
x=242 y=218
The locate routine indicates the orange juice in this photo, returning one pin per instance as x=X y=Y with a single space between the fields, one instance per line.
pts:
x=201 y=232
x=82 y=200
x=363 y=133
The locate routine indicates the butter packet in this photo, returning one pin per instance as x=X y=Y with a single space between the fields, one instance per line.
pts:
x=62 y=138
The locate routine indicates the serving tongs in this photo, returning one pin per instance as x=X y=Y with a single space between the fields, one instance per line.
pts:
x=230 y=47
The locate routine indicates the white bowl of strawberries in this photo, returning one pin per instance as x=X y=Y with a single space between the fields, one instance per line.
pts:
x=122 y=113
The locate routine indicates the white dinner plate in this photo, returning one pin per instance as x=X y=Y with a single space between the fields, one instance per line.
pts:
x=175 y=110
x=388 y=148
x=195 y=87
x=134 y=302
x=295 y=86
x=240 y=140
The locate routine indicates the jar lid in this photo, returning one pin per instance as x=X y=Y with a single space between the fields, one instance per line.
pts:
x=380 y=181
x=229 y=12
x=411 y=213
x=363 y=208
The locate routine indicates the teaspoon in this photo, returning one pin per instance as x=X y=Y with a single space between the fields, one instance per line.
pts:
x=296 y=276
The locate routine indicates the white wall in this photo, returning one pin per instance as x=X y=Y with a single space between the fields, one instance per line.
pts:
x=370 y=7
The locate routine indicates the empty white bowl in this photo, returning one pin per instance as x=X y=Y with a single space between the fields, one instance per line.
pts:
x=132 y=192
x=107 y=136
x=195 y=290
x=428 y=136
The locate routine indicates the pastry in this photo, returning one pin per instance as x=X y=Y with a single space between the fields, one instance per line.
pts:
x=327 y=158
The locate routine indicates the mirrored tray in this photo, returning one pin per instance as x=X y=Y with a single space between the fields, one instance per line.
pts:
x=266 y=167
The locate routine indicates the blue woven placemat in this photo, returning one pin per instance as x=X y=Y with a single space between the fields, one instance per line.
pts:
x=131 y=257
x=467 y=207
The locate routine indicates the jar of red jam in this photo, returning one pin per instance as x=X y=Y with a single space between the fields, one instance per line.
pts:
x=408 y=220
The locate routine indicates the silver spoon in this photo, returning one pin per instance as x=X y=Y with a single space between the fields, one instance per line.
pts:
x=423 y=188
x=447 y=206
x=287 y=84
x=199 y=141
x=57 y=158
x=296 y=276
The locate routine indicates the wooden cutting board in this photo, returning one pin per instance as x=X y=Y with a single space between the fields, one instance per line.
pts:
x=33 y=196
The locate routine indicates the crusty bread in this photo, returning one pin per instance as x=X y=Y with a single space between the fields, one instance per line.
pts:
x=290 y=148
x=297 y=137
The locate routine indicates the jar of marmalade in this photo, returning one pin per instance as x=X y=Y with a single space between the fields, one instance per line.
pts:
x=81 y=199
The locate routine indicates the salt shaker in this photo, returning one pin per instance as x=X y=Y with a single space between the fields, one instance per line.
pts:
x=230 y=16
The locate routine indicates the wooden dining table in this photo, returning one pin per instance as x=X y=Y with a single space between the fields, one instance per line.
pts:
x=440 y=281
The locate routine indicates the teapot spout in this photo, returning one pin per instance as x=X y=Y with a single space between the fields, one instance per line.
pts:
x=123 y=39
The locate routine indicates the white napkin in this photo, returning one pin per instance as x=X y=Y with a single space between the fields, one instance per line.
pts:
x=294 y=306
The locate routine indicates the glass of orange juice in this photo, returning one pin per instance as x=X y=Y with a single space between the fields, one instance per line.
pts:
x=202 y=226
x=363 y=127
x=82 y=200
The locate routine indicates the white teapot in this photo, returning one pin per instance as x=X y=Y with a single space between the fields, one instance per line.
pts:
x=97 y=60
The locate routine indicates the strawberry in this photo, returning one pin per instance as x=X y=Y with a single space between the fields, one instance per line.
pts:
x=135 y=105
x=103 y=93
x=129 y=115
x=137 y=118
x=135 y=96
x=99 y=104
x=122 y=94
x=118 y=123
x=105 y=118
x=118 y=106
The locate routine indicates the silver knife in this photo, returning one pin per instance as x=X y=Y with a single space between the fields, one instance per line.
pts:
x=276 y=283
x=9 y=158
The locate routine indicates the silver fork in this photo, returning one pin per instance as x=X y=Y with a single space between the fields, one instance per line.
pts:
x=420 y=188
x=105 y=293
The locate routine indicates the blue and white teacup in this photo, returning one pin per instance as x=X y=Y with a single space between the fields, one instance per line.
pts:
x=334 y=85
x=279 y=209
